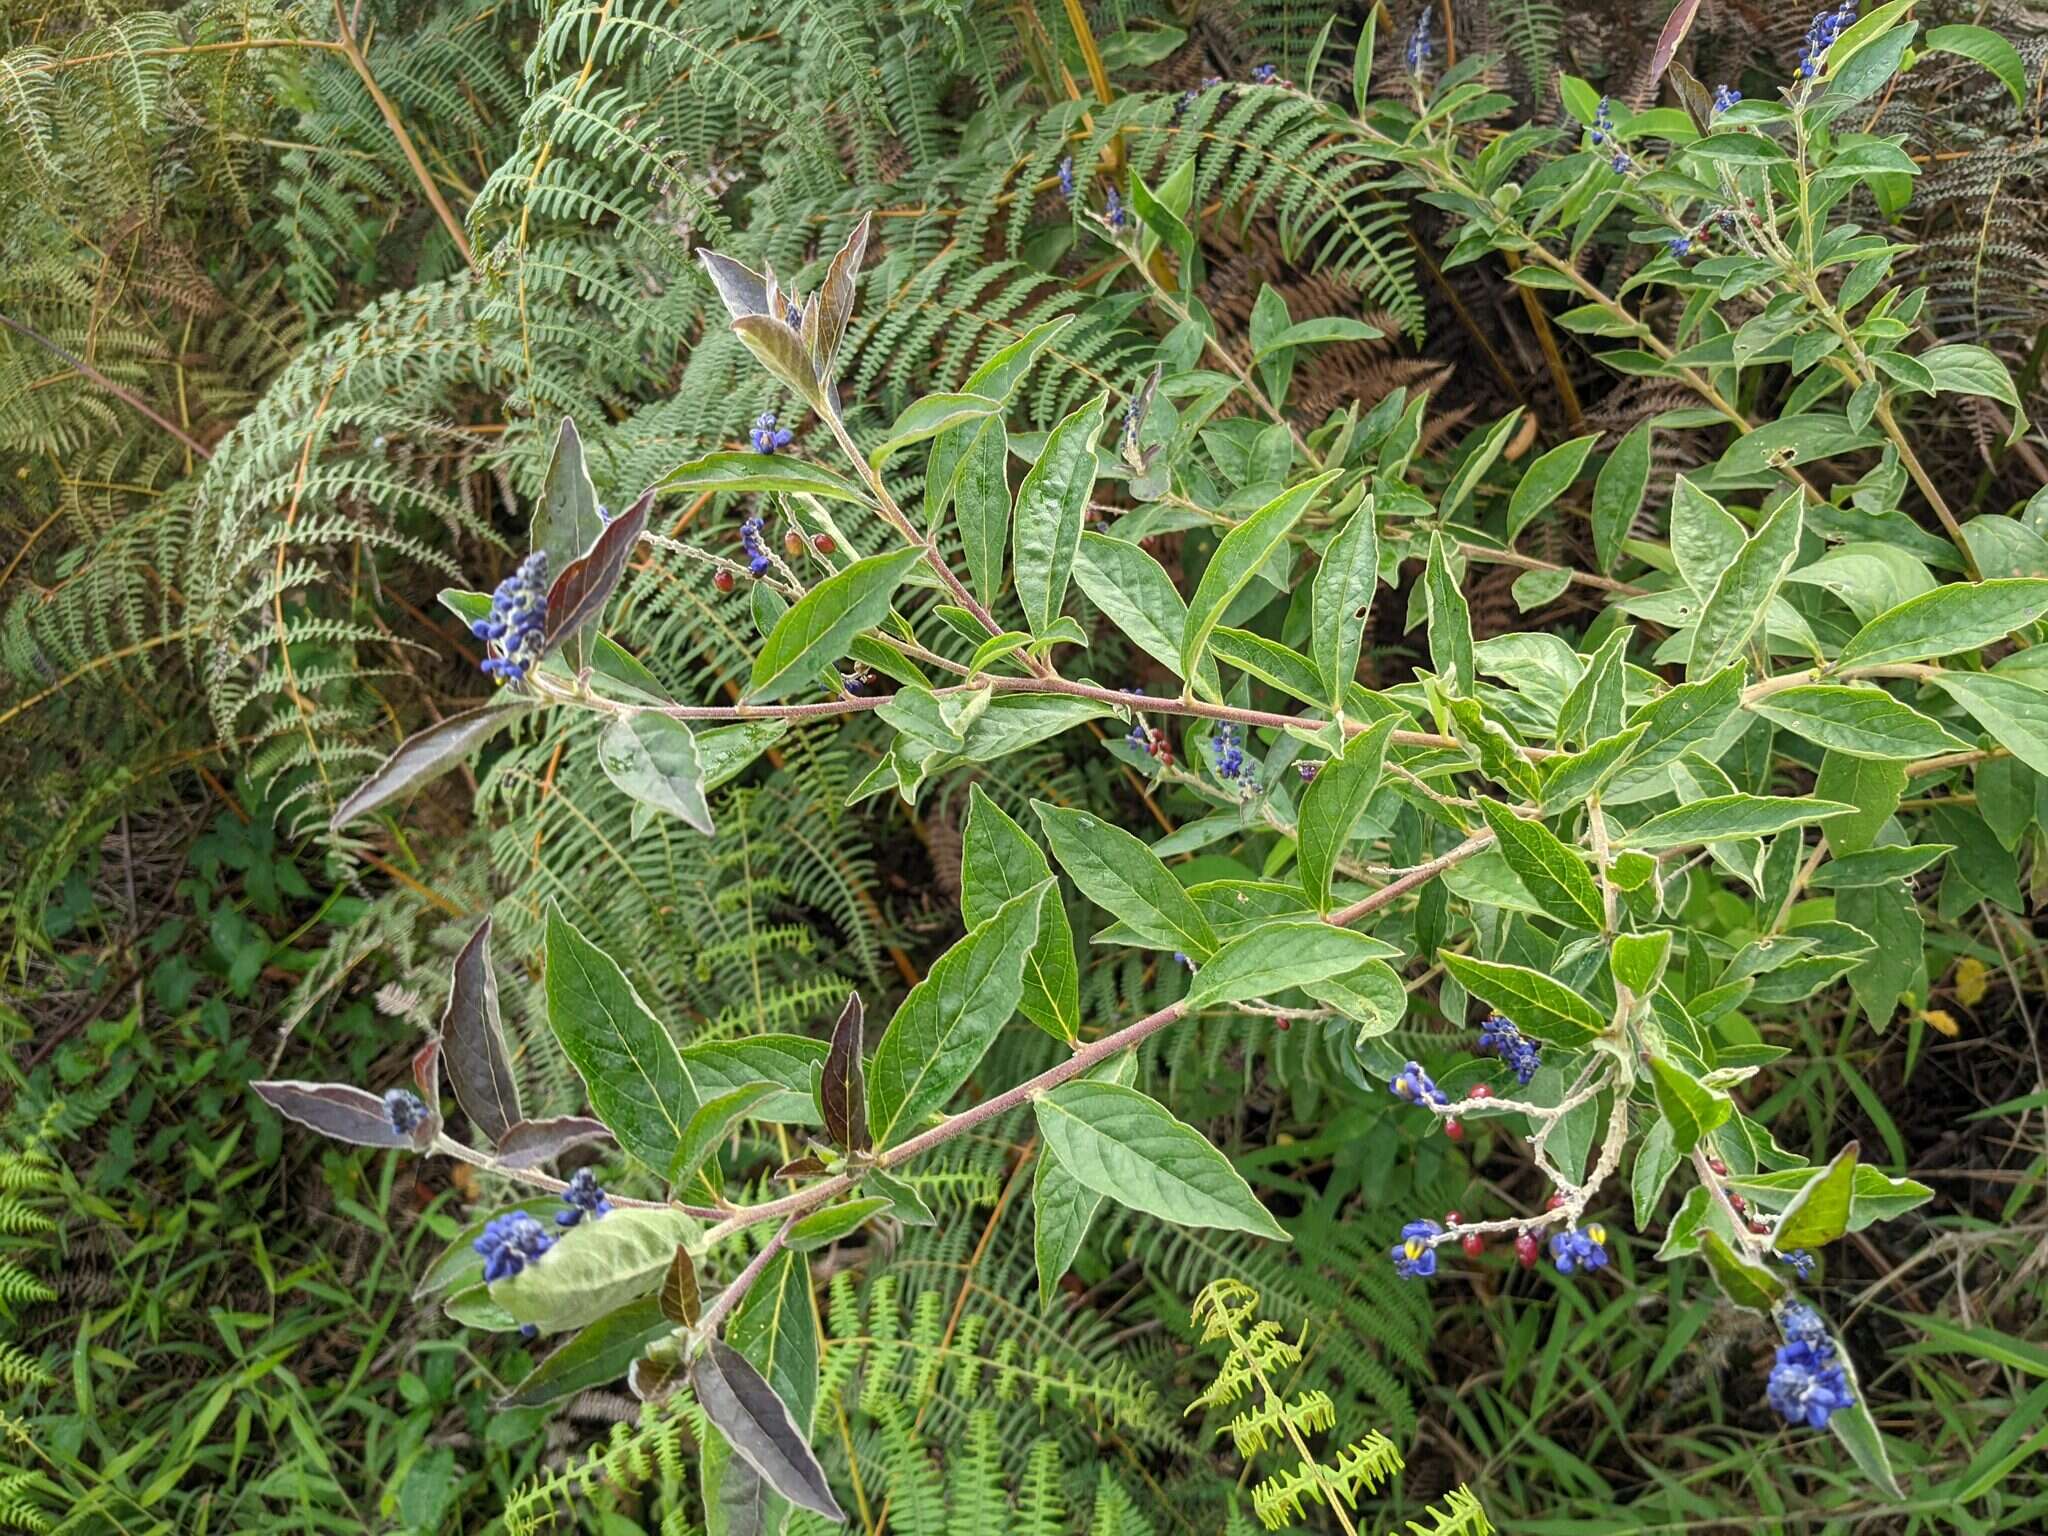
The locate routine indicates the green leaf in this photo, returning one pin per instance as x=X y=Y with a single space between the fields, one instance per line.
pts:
x=1332 y=804
x=1345 y=581
x=1166 y=224
x=1746 y=1284
x=1051 y=504
x=1125 y=1146
x=948 y=1021
x=1323 y=328
x=2015 y=714
x=1372 y=997
x=927 y=418
x=1656 y=1159
x=1877 y=866
x=1638 y=960
x=1872 y=787
x=1863 y=722
x=725 y=752
x=996 y=379
x=1125 y=878
x=1476 y=463
x=1705 y=537
x=1680 y=719
x=595 y=1268
x=1690 y=1107
x=1569 y=779
x=565 y=523
x=1548 y=478
x=1721 y=818
x=654 y=759
x=1547 y=1009
x=1237 y=559
x=1987 y=48
x=1553 y=873
x=1499 y=754
x=1135 y=593
x=712 y=1123
x=630 y=1067
x=1819 y=1213
x=758 y=1425
x=1289 y=952
x=1062 y=1210
x=761 y=472
x=834 y=1222
x=981 y=501
x=787 y=1061
x=1593 y=708
x=1735 y=609
x=999 y=862
x=1618 y=493
x=773 y=1326
x=1450 y=621
x=816 y=630
x=1949 y=620
x=596 y=1357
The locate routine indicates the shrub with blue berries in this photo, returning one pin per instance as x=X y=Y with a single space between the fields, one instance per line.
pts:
x=1821 y=33
x=751 y=545
x=1498 y=1036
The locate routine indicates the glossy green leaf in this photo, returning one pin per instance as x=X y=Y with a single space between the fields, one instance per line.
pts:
x=1863 y=722
x=834 y=1222
x=1450 y=621
x=999 y=862
x=654 y=759
x=1332 y=804
x=1126 y=1147
x=736 y=472
x=927 y=418
x=1618 y=493
x=1734 y=610
x=1721 y=818
x=1742 y=1281
x=1949 y=620
x=1688 y=1106
x=710 y=1125
x=2015 y=713
x=815 y=631
x=1290 y=952
x=1553 y=873
x=1238 y=557
x=1134 y=592
x=1546 y=479
x=1345 y=580
x=1125 y=878
x=1819 y=1213
x=594 y=1268
x=1542 y=1006
x=596 y=1357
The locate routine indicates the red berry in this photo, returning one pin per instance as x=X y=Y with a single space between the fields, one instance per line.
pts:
x=722 y=580
x=1525 y=1250
x=1451 y=1218
x=1758 y=1227
x=793 y=542
x=1481 y=1091
x=824 y=543
x=1554 y=1201
x=1738 y=1202
x=1718 y=1166
x=1283 y=1023
x=1454 y=1130
x=1474 y=1245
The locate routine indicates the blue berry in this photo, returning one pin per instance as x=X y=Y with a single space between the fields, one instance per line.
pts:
x=1415 y=1255
x=405 y=1109
x=585 y=1198
x=1113 y=211
x=766 y=436
x=1800 y=1324
x=1821 y=33
x=1724 y=98
x=1308 y=771
x=1799 y=1260
x=1581 y=1248
x=1067 y=178
x=517 y=622
x=1265 y=74
x=511 y=1242
x=1416 y=1085
x=1498 y=1036
x=1227 y=748
x=1680 y=246
x=750 y=542
x=1807 y=1385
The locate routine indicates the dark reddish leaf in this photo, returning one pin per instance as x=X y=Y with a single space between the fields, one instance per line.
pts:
x=744 y=1408
x=422 y=757
x=679 y=1300
x=349 y=1114
x=653 y=1380
x=1697 y=100
x=835 y=300
x=799 y=1167
x=1676 y=25
x=530 y=1143
x=579 y=594
x=426 y=1072
x=473 y=1041
x=843 y=1093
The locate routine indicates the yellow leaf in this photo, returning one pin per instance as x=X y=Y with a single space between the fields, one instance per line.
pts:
x=1941 y=1020
x=1970 y=981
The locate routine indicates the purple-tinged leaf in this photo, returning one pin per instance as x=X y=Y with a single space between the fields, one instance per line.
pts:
x=566 y=522
x=353 y=1115
x=1697 y=100
x=835 y=300
x=743 y=290
x=426 y=1072
x=744 y=1408
x=843 y=1092
x=803 y=1167
x=579 y=594
x=782 y=352
x=680 y=1302
x=473 y=1041
x=529 y=1143
x=1676 y=25
x=595 y=1357
x=424 y=756
x=652 y=1380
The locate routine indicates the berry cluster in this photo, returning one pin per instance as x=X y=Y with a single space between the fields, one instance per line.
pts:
x=1415 y=1255
x=517 y=622
x=585 y=1198
x=1724 y=98
x=509 y=1243
x=1187 y=98
x=1498 y=1036
x=1265 y=74
x=1421 y=46
x=1416 y=1086
x=1226 y=748
x=1580 y=1248
x=1113 y=212
x=1152 y=741
x=1799 y=1260
x=766 y=436
x=1067 y=178
x=1807 y=1383
x=406 y=1111
x=1821 y=33
x=751 y=545
x=1602 y=132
